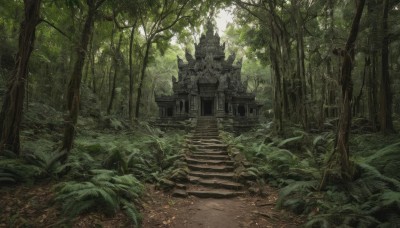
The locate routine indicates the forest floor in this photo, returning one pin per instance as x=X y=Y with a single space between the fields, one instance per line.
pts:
x=33 y=205
x=162 y=210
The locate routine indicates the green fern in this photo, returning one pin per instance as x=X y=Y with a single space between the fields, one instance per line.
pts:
x=105 y=190
x=290 y=140
x=348 y=215
x=297 y=187
x=16 y=170
x=387 y=160
x=369 y=172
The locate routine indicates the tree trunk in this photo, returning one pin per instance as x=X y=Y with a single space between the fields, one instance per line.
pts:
x=142 y=77
x=386 y=122
x=131 y=79
x=150 y=98
x=342 y=144
x=300 y=74
x=277 y=91
x=88 y=60
x=374 y=43
x=372 y=103
x=92 y=69
x=11 y=113
x=357 y=101
x=331 y=85
x=116 y=60
x=73 y=90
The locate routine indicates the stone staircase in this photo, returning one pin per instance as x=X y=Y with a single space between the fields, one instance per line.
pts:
x=211 y=169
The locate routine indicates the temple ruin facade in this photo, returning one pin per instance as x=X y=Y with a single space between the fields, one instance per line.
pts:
x=209 y=84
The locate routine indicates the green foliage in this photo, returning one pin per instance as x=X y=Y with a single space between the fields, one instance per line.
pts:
x=105 y=191
x=148 y=154
x=387 y=160
x=370 y=200
x=14 y=170
x=290 y=140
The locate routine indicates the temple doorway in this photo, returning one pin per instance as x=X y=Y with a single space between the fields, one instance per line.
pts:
x=241 y=110
x=207 y=106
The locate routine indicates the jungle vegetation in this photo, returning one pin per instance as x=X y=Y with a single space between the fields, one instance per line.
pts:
x=78 y=80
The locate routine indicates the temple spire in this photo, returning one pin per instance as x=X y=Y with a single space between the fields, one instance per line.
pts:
x=210 y=28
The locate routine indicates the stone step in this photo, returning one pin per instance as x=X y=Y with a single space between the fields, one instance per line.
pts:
x=210 y=156
x=212 y=146
x=210 y=162
x=214 y=193
x=210 y=152
x=206 y=133
x=203 y=137
x=212 y=168
x=205 y=174
x=179 y=193
x=215 y=183
x=208 y=141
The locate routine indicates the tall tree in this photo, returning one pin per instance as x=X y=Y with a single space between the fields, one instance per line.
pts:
x=117 y=59
x=342 y=144
x=374 y=44
x=159 y=20
x=131 y=76
x=386 y=122
x=11 y=113
x=129 y=10
x=73 y=90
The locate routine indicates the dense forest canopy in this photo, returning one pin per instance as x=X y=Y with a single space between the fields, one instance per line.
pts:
x=80 y=77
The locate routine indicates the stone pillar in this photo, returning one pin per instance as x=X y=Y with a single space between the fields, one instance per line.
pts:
x=235 y=109
x=184 y=107
x=194 y=109
x=221 y=104
x=177 y=107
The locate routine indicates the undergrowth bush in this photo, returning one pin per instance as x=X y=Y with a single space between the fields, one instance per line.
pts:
x=150 y=155
x=14 y=169
x=370 y=200
x=105 y=191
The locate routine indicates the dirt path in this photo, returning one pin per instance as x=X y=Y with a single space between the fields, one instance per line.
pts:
x=246 y=211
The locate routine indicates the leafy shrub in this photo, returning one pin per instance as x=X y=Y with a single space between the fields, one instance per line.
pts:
x=370 y=200
x=105 y=191
x=14 y=169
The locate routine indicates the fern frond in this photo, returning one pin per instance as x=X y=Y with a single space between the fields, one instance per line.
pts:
x=131 y=211
x=371 y=172
x=105 y=189
x=298 y=186
x=388 y=150
x=289 y=140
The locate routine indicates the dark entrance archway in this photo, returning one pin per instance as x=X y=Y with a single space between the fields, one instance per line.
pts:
x=241 y=110
x=207 y=106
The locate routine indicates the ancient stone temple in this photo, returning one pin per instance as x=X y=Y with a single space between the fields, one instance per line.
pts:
x=208 y=85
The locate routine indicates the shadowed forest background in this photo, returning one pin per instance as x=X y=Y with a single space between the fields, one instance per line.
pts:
x=78 y=81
